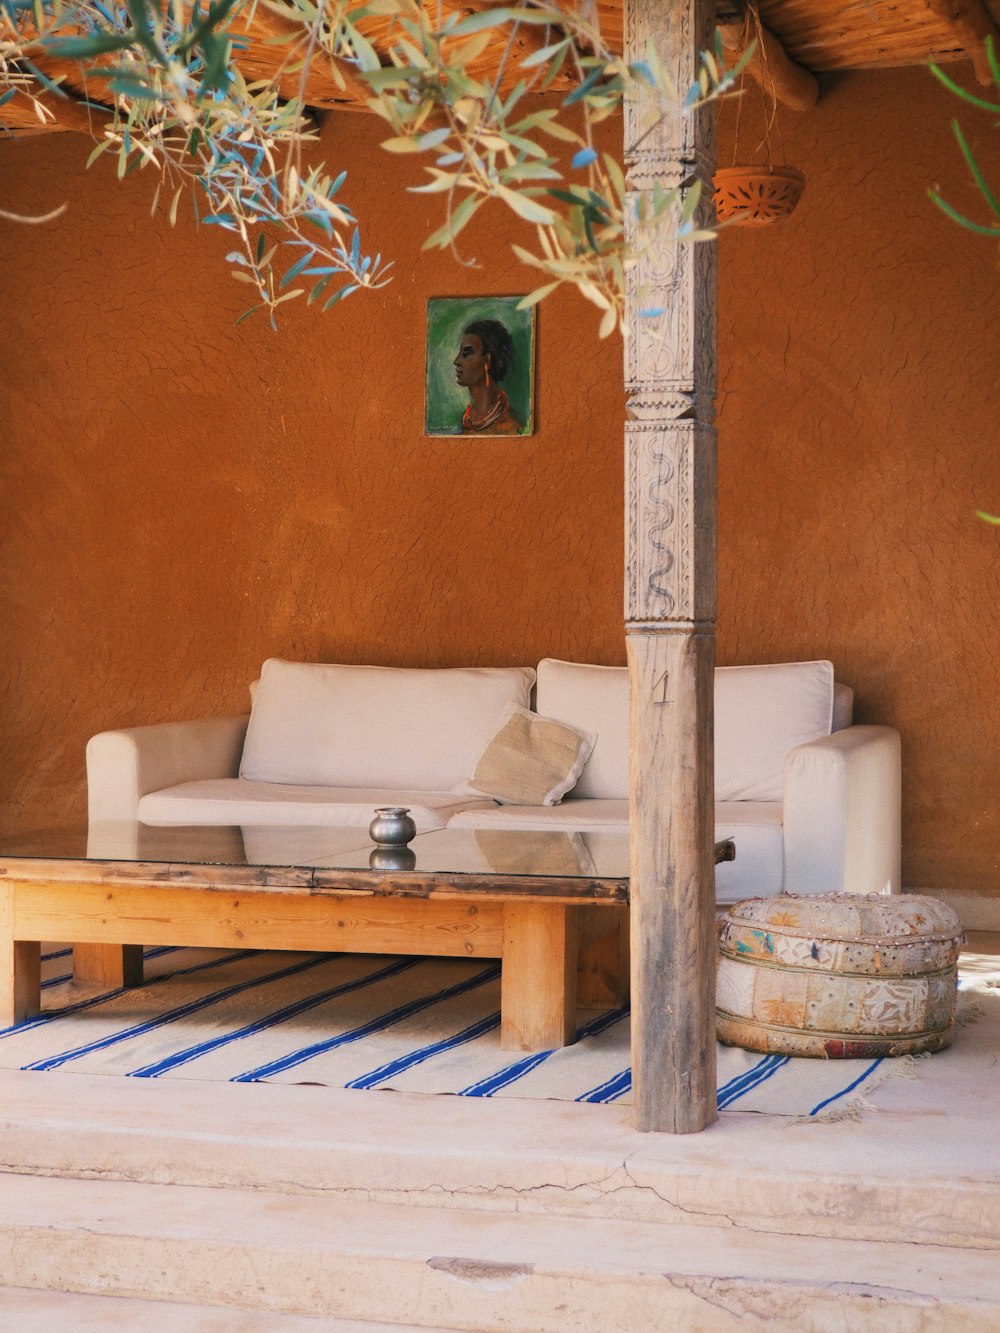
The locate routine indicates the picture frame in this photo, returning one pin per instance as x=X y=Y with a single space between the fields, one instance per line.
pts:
x=461 y=398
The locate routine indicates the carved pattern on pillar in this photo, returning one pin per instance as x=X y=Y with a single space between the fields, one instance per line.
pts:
x=683 y=137
x=670 y=360
x=670 y=468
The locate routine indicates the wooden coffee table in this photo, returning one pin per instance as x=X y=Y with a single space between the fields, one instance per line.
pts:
x=527 y=898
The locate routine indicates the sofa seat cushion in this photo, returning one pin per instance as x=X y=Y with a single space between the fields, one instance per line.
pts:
x=755 y=826
x=572 y=816
x=759 y=868
x=376 y=727
x=238 y=801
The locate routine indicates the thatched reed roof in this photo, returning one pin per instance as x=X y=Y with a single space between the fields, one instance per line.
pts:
x=816 y=35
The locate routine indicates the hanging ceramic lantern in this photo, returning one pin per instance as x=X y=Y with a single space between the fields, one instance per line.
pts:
x=756 y=194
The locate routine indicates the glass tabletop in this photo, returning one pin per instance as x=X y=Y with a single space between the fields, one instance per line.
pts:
x=500 y=851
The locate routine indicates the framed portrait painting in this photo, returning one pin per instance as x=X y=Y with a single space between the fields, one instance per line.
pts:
x=480 y=366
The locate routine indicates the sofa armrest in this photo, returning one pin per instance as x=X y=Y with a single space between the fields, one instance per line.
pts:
x=842 y=813
x=122 y=766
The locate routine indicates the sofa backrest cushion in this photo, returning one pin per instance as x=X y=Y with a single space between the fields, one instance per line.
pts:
x=385 y=727
x=843 y=706
x=761 y=712
x=593 y=699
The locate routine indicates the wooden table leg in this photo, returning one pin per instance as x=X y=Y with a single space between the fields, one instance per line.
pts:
x=111 y=965
x=602 y=973
x=20 y=968
x=538 y=977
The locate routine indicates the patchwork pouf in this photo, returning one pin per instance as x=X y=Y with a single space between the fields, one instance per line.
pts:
x=840 y=976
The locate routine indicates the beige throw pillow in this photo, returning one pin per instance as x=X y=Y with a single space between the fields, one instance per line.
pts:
x=531 y=760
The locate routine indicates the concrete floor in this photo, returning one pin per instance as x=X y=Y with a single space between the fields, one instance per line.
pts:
x=890 y=1220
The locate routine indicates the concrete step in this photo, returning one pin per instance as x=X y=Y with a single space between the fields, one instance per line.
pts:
x=23 y=1310
x=910 y=1176
x=434 y=1267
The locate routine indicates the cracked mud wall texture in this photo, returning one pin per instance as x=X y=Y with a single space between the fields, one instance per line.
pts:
x=184 y=498
x=859 y=389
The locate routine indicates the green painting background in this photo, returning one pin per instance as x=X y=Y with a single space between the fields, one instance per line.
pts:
x=447 y=317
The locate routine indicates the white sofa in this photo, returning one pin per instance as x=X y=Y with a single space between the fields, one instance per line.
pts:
x=812 y=801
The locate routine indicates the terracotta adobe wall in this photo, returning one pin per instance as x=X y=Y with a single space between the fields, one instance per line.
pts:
x=859 y=387
x=184 y=497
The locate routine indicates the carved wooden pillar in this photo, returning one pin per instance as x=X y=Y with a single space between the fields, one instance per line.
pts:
x=670 y=601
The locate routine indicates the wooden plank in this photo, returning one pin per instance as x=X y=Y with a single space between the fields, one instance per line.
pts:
x=89 y=914
x=20 y=968
x=112 y=965
x=273 y=44
x=153 y=874
x=538 y=977
x=306 y=881
x=500 y=887
x=670 y=600
x=856 y=34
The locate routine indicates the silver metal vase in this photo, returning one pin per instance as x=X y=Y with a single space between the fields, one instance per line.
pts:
x=392 y=826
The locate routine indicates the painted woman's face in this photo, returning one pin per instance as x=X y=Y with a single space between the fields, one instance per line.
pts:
x=470 y=364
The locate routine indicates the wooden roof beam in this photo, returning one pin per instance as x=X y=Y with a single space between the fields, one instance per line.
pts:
x=322 y=87
x=67 y=113
x=529 y=38
x=971 y=23
x=69 y=109
x=79 y=117
x=793 y=85
x=267 y=54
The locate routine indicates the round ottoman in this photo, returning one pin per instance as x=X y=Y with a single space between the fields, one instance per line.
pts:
x=840 y=976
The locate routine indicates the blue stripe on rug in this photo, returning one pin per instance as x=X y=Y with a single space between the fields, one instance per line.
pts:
x=271 y=1020
x=417 y=1057
x=300 y=1057
x=850 y=1087
x=730 y=1092
x=173 y=1015
x=58 y=953
x=619 y=1084
x=486 y=1087
x=503 y=1078
x=752 y=1078
x=157 y=951
x=51 y=1015
x=610 y=1090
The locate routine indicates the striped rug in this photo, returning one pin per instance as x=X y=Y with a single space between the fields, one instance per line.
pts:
x=428 y=1025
